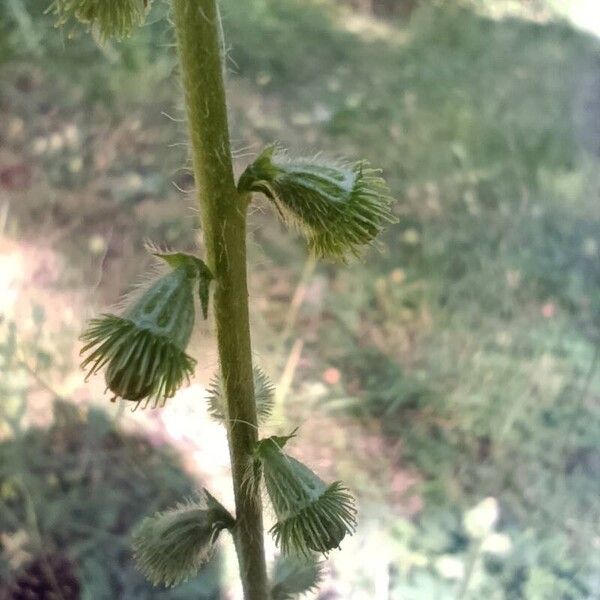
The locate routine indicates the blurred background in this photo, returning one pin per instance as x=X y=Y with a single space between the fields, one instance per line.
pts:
x=451 y=378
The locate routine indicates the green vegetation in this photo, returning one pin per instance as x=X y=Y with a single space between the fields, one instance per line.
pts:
x=80 y=486
x=471 y=339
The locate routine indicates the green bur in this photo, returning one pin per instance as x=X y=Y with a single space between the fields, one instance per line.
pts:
x=311 y=515
x=144 y=350
x=293 y=577
x=340 y=208
x=112 y=18
x=264 y=397
x=171 y=546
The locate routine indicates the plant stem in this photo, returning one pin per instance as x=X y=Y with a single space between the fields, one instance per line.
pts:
x=472 y=558
x=223 y=210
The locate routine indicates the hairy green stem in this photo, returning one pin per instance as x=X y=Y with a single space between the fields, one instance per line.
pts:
x=223 y=211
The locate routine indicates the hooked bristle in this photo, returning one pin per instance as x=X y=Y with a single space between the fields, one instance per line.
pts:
x=111 y=18
x=140 y=365
x=311 y=515
x=264 y=396
x=320 y=526
x=340 y=208
x=293 y=576
x=171 y=546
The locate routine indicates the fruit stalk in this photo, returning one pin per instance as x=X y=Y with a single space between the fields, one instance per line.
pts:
x=223 y=211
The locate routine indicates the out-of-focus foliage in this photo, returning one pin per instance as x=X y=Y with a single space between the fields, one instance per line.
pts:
x=109 y=71
x=472 y=338
x=80 y=487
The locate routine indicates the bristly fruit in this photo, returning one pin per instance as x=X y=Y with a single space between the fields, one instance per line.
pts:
x=293 y=576
x=144 y=350
x=311 y=515
x=170 y=547
x=340 y=208
x=112 y=18
x=264 y=396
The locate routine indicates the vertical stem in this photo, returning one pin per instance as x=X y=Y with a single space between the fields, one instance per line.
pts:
x=223 y=210
x=472 y=558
